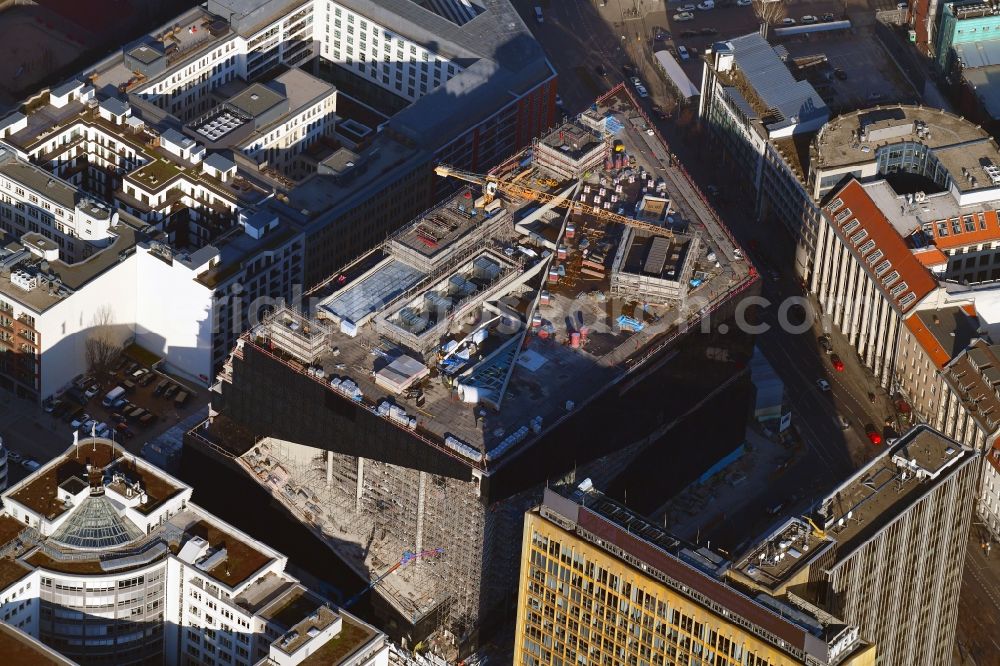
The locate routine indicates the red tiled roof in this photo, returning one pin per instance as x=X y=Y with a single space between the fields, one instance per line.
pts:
x=931 y=257
x=965 y=238
x=927 y=340
x=994 y=456
x=877 y=228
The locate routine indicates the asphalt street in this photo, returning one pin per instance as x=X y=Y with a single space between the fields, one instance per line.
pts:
x=585 y=39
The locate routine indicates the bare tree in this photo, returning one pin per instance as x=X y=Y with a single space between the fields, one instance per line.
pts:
x=102 y=346
x=769 y=12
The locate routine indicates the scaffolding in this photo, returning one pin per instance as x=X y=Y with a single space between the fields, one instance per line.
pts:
x=305 y=339
x=369 y=512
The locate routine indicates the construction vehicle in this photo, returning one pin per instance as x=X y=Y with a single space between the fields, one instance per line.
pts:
x=408 y=557
x=494 y=185
x=818 y=532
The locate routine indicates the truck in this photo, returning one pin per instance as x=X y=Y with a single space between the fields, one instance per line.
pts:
x=113 y=395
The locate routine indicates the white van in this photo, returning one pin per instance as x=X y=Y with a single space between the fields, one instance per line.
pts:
x=538 y=15
x=113 y=395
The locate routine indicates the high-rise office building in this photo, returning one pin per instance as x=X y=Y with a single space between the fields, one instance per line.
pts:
x=601 y=585
x=884 y=550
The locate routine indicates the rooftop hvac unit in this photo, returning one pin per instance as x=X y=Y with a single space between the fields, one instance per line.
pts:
x=437 y=301
x=485 y=268
x=23 y=279
x=412 y=320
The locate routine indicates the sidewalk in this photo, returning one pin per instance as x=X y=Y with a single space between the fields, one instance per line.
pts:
x=977 y=636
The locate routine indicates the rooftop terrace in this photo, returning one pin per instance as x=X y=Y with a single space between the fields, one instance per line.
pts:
x=958 y=144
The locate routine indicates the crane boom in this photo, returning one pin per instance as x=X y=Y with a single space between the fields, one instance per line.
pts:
x=493 y=184
x=408 y=556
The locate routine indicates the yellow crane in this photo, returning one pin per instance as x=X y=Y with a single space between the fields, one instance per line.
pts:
x=818 y=532
x=493 y=185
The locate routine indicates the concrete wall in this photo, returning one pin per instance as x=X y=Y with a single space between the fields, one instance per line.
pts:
x=174 y=315
x=65 y=328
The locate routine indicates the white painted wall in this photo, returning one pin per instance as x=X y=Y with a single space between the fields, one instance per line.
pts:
x=64 y=328
x=174 y=315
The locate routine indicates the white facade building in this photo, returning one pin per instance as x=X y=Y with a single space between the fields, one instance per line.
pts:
x=188 y=308
x=111 y=562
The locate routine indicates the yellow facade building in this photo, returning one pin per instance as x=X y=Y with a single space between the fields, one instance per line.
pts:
x=600 y=586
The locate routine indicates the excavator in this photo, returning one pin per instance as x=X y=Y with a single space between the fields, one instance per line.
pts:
x=494 y=185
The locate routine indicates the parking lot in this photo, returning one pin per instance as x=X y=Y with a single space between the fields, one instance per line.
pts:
x=38 y=433
x=725 y=22
x=866 y=76
x=133 y=397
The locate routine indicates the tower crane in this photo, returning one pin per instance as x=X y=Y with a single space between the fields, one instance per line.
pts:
x=493 y=185
x=408 y=557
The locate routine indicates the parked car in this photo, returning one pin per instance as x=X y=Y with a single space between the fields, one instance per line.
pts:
x=842 y=422
x=91 y=391
x=689 y=33
x=686 y=8
x=147 y=418
x=840 y=74
x=181 y=398
x=149 y=377
x=837 y=364
x=659 y=34
x=117 y=404
x=824 y=342
x=642 y=92
x=117 y=418
x=706 y=5
x=128 y=385
x=873 y=435
x=76 y=395
x=102 y=429
x=682 y=52
x=136 y=412
x=87 y=426
x=628 y=70
x=132 y=367
x=601 y=71
x=124 y=430
x=788 y=20
x=708 y=32
x=538 y=15
x=744 y=3
x=79 y=420
x=823 y=385
x=681 y=17
x=171 y=390
x=161 y=387
x=808 y=19
x=827 y=17
x=30 y=464
x=13 y=455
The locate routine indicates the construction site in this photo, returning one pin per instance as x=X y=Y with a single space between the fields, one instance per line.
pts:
x=421 y=404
